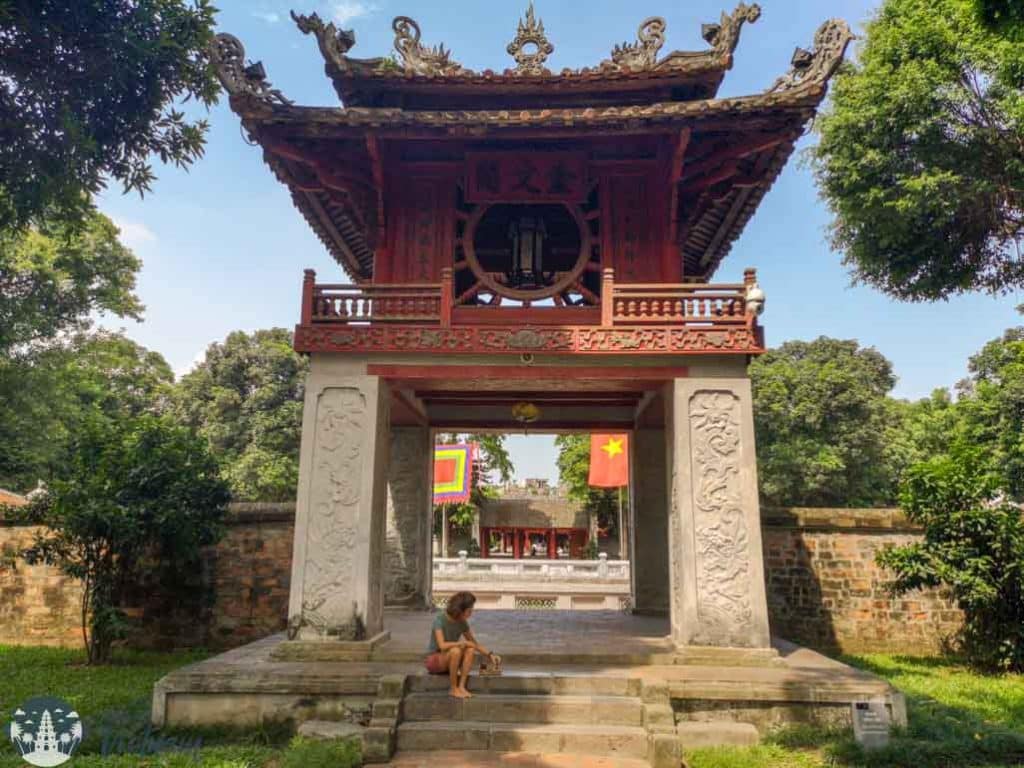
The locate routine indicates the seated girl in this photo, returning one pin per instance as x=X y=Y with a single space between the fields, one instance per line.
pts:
x=452 y=646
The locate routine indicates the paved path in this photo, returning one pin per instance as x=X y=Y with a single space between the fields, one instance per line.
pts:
x=507 y=760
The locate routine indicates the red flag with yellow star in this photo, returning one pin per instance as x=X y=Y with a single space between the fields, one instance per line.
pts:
x=609 y=461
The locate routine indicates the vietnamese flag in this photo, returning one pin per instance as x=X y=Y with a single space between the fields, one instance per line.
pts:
x=609 y=461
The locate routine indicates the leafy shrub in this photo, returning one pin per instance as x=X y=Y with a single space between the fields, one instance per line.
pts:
x=973 y=545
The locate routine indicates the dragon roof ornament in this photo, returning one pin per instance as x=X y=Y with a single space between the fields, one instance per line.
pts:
x=531 y=47
x=725 y=35
x=643 y=54
x=334 y=43
x=417 y=59
x=240 y=79
x=814 y=68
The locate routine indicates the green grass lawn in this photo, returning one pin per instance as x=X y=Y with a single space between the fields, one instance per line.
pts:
x=957 y=718
x=115 y=700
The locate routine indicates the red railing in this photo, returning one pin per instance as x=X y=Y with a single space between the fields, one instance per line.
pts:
x=622 y=304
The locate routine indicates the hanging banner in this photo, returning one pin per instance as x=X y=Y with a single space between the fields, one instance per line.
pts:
x=453 y=473
x=609 y=461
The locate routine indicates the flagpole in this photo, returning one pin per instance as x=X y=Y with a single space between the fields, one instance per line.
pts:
x=622 y=531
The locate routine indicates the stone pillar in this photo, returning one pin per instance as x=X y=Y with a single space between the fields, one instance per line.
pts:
x=717 y=592
x=407 y=554
x=337 y=590
x=649 y=511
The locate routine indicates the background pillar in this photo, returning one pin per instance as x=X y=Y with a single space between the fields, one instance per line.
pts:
x=407 y=556
x=337 y=588
x=717 y=593
x=649 y=510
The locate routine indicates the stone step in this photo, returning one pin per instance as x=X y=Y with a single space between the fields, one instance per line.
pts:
x=605 y=740
x=524 y=708
x=534 y=684
x=697 y=735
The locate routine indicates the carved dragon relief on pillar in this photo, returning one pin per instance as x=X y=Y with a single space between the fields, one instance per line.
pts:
x=333 y=522
x=722 y=540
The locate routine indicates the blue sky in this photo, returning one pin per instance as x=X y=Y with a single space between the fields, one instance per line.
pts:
x=223 y=248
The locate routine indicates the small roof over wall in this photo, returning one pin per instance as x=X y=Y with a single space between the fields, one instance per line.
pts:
x=11 y=499
x=533 y=513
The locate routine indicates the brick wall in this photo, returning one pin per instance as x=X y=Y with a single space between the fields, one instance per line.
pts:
x=826 y=591
x=824 y=588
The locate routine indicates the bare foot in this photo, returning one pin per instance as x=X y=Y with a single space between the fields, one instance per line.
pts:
x=459 y=693
x=466 y=694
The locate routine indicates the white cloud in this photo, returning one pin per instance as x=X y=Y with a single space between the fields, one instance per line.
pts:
x=344 y=11
x=134 y=233
x=271 y=17
x=189 y=367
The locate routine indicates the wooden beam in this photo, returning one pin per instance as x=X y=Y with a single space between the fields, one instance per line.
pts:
x=526 y=372
x=680 y=143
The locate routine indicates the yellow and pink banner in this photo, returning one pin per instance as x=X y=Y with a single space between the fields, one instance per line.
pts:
x=453 y=473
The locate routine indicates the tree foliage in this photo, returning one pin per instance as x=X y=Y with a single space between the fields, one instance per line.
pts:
x=88 y=93
x=133 y=494
x=992 y=408
x=52 y=277
x=245 y=398
x=48 y=393
x=822 y=417
x=973 y=545
x=921 y=157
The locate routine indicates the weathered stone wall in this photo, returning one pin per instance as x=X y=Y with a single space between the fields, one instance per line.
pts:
x=826 y=591
x=824 y=588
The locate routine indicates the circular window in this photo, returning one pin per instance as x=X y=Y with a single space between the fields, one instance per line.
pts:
x=527 y=252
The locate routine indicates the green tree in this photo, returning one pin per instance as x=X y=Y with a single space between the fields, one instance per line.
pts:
x=973 y=545
x=53 y=277
x=88 y=93
x=132 y=492
x=47 y=393
x=246 y=399
x=921 y=157
x=992 y=407
x=821 y=412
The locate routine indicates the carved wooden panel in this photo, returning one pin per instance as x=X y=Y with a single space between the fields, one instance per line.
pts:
x=526 y=177
x=421 y=233
x=720 y=533
x=331 y=530
x=632 y=230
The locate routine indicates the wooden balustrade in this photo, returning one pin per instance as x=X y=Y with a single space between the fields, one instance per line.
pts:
x=622 y=305
x=679 y=305
x=412 y=304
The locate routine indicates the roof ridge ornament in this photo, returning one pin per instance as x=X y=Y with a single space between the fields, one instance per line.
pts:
x=240 y=79
x=643 y=54
x=725 y=35
x=333 y=43
x=531 y=47
x=814 y=68
x=417 y=58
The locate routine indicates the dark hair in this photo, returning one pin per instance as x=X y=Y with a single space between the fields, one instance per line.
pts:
x=459 y=603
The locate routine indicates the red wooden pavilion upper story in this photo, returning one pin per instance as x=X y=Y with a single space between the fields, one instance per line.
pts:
x=575 y=212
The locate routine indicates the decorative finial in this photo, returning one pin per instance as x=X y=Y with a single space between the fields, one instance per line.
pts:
x=814 y=68
x=642 y=54
x=418 y=59
x=531 y=47
x=228 y=56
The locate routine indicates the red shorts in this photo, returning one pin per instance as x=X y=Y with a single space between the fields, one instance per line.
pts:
x=436 y=664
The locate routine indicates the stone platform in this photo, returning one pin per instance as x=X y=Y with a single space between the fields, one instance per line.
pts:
x=603 y=684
